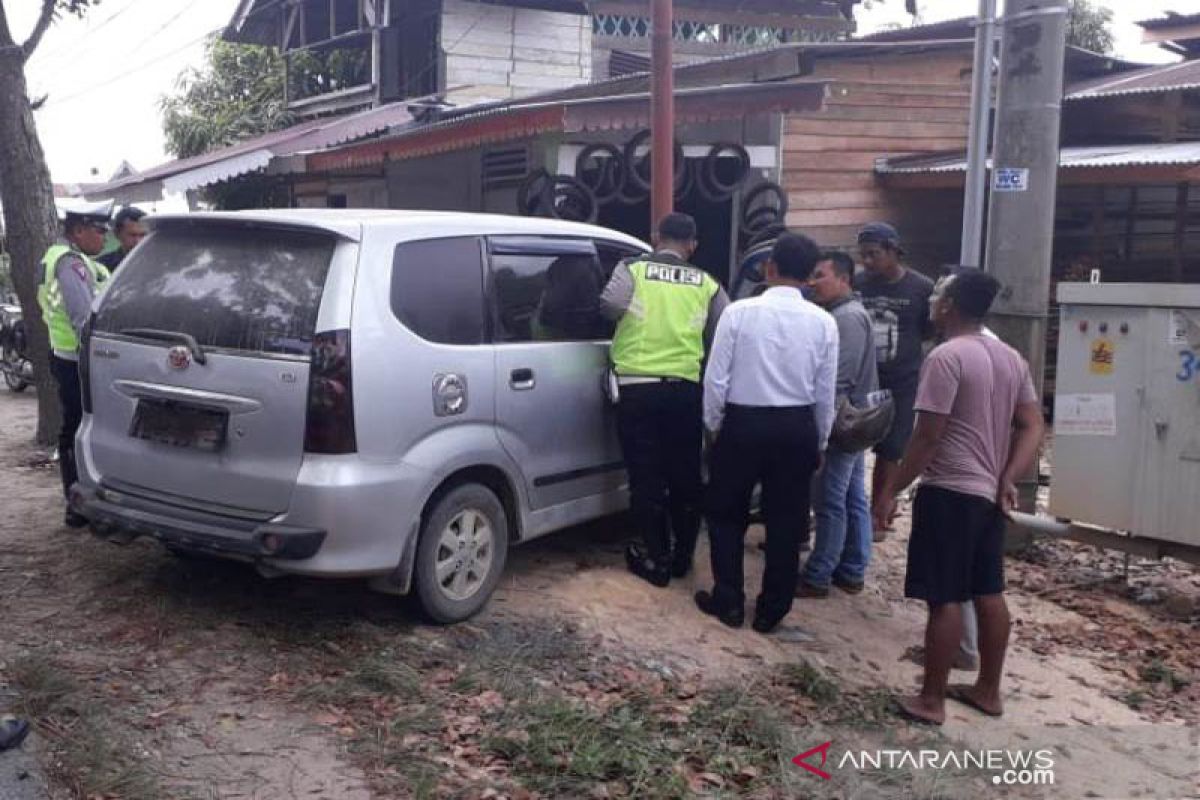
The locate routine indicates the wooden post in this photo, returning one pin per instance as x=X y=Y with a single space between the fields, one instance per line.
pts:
x=1098 y=222
x=1130 y=220
x=662 y=113
x=1181 y=214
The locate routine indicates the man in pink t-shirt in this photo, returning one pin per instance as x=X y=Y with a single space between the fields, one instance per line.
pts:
x=974 y=391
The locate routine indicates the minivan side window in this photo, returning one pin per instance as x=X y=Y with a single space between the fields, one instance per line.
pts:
x=437 y=289
x=613 y=253
x=547 y=290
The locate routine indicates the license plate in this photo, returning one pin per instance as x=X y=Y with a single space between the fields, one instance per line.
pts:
x=180 y=425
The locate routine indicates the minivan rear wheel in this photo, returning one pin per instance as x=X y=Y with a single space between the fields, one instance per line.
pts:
x=461 y=553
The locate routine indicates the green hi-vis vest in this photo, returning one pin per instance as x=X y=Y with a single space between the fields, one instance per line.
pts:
x=662 y=333
x=54 y=311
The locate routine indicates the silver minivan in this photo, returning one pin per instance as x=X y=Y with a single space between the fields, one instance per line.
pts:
x=384 y=394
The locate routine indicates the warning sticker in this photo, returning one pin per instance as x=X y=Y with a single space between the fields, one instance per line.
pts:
x=1085 y=415
x=1010 y=179
x=1103 y=356
x=1177 y=330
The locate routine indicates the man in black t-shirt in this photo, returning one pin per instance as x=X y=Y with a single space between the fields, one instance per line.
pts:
x=897 y=299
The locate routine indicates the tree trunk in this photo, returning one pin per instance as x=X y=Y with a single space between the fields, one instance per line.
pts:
x=30 y=222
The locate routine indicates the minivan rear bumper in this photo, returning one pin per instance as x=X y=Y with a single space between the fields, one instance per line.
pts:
x=126 y=518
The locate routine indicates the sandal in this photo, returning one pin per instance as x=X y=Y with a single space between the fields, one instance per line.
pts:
x=12 y=732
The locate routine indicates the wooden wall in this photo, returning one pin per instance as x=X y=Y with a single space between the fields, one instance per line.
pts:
x=498 y=52
x=879 y=106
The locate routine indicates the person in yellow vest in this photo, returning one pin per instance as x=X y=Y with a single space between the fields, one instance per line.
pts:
x=667 y=310
x=70 y=281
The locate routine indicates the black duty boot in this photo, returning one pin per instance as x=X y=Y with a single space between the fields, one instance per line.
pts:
x=733 y=617
x=645 y=567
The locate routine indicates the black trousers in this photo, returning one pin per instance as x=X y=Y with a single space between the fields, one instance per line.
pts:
x=70 y=400
x=662 y=436
x=777 y=447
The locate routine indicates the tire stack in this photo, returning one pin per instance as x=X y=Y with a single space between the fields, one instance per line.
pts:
x=606 y=173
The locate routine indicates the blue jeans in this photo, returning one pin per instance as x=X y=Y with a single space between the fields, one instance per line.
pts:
x=843 y=541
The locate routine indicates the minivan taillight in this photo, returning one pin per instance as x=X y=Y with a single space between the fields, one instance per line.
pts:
x=329 y=425
x=85 y=365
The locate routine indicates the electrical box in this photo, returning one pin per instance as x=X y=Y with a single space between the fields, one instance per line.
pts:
x=1127 y=409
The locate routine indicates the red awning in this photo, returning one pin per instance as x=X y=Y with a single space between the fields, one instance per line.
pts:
x=620 y=112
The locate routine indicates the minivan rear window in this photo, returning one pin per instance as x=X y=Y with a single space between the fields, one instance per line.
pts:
x=229 y=286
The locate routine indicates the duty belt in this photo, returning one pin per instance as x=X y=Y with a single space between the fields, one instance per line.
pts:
x=635 y=380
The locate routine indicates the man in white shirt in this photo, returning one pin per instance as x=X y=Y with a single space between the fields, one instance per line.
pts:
x=769 y=402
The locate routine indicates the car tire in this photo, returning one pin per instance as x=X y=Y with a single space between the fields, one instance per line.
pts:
x=461 y=553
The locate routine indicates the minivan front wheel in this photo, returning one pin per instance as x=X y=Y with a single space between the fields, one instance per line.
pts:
x=461 y=553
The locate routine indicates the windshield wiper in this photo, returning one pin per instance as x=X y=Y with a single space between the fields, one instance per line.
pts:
x=187 y=340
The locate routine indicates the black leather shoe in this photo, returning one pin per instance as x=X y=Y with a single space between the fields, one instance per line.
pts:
x=645 y=568
x=732 y=617
x=849 y=587
x=12 y=732
x=764 y=624
x=74 y=520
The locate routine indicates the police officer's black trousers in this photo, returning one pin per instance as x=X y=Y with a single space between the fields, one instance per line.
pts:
x=661 y=437
x=777 y=447
x=70 y=400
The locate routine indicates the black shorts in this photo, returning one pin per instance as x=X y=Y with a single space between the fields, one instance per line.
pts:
x=956 y=551
x=891 y=447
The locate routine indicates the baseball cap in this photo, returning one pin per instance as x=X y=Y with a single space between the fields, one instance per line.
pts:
x=879 y=232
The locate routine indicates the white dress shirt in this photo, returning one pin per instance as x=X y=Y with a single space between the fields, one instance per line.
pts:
x=776 y=349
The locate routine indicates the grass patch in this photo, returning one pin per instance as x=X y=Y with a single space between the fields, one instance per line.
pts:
x=1158 y=672
x=811 y=682
x=561 y=748
x=378 y=673
x=515 y=660
x=89 y=754
x=1135 y=699
x=384 y=750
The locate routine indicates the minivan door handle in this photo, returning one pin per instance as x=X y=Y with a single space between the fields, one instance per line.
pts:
x=522 y=379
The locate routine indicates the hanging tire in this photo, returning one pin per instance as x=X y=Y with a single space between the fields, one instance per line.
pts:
x=709 y=184
x=638 y=177
x=461 y=553
x=570 y=200
x=755 y=220
x=685 y=179
x=612 y=170
x=532 y=197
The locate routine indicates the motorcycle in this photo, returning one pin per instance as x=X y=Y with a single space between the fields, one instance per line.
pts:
x=14 y=358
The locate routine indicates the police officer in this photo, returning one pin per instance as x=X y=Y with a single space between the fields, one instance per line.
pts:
x=667 y=311
x=70 y=279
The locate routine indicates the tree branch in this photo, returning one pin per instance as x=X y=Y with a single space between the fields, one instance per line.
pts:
x=43 y=22
x=6 y=39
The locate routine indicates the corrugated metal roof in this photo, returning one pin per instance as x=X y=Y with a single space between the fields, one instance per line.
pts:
x=1131 y=155
x=1171 y=20
x=957 y=28
x=623 y=111
x=1184 y=75
x=251 y=154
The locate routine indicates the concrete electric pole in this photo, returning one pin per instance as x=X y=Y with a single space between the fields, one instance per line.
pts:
x=1020 y=238
x=975 y=194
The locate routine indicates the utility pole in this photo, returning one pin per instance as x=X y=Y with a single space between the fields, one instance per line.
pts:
x=662 y=113
x=975 y=194
x=1020 y=238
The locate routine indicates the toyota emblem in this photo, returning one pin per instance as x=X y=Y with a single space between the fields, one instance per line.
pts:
x=179 y=357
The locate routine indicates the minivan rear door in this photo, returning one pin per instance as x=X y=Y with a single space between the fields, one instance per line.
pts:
x=199 y=362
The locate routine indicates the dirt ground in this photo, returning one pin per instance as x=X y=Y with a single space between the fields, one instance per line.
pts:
x=147 y=675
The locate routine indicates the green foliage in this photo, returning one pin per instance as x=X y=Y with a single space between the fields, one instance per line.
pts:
x=238 y=94
x=1090 y=26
